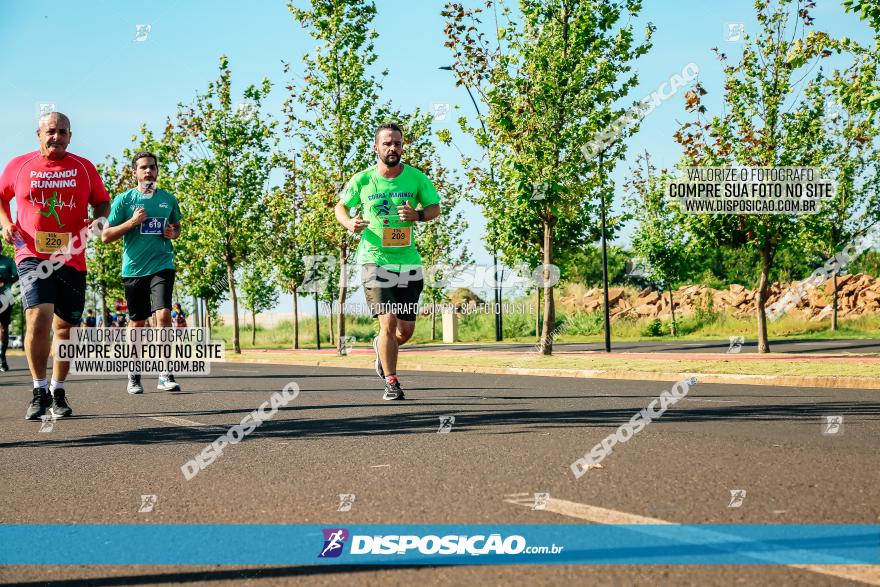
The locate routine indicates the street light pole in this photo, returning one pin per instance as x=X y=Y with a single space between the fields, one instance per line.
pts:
x=499 y=319
x=604 y=253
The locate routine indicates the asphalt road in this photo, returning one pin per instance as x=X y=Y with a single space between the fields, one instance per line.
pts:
x=831 y=346
x=513 y=436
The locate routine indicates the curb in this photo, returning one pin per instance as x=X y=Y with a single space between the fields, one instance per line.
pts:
x=728 y=379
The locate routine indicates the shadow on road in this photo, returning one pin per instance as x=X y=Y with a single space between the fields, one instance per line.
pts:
x=411 y=418
x=220 y=575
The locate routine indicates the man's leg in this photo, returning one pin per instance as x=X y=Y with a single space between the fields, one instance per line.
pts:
x=388 y=343
x=405 y=330
x=161 y=288
x=4 y=337
x=36 y=340
x=60 y=369
x=36 y=348
x=69 y=307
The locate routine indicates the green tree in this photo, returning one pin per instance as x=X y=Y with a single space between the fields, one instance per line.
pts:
x=766 y=122
x=441 y=244
x=284 y=206
x=335 y=125
x=105 y=260
x=660 y=238
x=229 y=149
x=550 y=78
x=853 y=158
x=258 y=293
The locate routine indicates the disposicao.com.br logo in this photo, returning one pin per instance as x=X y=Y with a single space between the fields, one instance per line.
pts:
x=451 y=544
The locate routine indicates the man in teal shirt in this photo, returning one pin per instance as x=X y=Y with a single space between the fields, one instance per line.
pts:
x=390 y=198
x=8 y=276
x=147 y=219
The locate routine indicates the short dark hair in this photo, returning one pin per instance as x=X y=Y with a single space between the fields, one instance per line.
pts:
x=387 y=126
x=141 y=155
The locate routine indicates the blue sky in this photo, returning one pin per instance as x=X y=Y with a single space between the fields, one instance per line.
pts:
x=83 y=58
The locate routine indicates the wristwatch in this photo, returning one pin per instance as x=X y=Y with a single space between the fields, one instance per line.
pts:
x=421 y=214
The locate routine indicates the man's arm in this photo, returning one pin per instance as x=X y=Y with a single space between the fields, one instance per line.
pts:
x=112 y=233
x=408 y=213
x=6 y=222
x=356 y=224
x=432 y=212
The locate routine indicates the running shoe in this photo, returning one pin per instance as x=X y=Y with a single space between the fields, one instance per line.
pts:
x=167 y=383
x=38 y=406
x=134 y=384
x=4 y=366
x=59 y=408
x=393 y=392
x=379 y=371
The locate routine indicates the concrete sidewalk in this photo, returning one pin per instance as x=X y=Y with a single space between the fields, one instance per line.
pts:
x=599 y=365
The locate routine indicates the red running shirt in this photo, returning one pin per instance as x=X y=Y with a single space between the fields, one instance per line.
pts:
x=51 y=199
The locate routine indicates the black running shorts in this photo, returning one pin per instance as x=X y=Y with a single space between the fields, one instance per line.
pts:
x=391 y=292
x=149 y=293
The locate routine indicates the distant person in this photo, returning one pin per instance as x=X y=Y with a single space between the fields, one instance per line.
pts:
x=89 y=320
x=178 y=317
x=8 y=276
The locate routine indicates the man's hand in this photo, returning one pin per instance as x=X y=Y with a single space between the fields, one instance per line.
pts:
x=407 y=213
x=172 y=231
x=138 y=218
x=11 y=234
x=358 y=224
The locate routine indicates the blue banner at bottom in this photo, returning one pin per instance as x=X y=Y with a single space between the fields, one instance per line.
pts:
x=232 y=544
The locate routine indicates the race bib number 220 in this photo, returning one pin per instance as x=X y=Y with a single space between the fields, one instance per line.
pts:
x=49 y=242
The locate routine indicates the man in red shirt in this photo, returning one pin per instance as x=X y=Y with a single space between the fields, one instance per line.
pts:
x=52 y=190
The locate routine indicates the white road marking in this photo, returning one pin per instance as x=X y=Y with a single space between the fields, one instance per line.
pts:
x=377 y=466
x=178 y=421
x=869 y=574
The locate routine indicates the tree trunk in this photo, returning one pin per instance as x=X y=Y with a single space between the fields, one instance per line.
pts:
x=104 y=313
x=340 y=311
x=433 y=321
x=332 y=328
x=253 y=328
x=763 y=283
x=834 y=303
x=230 y=276
x=207 y=301
x=295 y=320
x=538 y=312
x=672 y=312
x=549 y=308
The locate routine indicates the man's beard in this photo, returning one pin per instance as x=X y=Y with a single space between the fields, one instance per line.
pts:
x=390 y=160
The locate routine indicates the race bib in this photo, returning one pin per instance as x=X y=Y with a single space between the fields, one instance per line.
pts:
x=153 y=225
x=396 y=237
x=49 y=242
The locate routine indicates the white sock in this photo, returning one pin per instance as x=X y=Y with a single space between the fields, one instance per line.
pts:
x=56 y=385
x=40 y=383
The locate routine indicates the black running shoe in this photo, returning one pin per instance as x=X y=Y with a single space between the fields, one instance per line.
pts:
x=393 y=392
x=59 y=408
x=4 y=366
x=38 y=406
x=379 y=371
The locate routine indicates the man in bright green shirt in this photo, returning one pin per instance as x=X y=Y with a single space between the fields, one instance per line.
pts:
x=147 y=219
x=390 y=198
x=8 y=276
